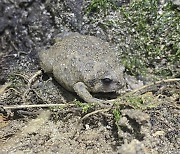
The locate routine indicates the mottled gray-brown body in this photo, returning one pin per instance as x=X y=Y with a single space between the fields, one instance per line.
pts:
x=84 y=64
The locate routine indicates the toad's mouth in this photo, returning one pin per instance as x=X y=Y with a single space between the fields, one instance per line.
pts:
x=105 y=95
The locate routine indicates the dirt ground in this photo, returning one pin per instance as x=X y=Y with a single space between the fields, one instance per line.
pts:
x=26 y=26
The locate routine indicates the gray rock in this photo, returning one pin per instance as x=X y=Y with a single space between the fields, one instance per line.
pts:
x=134 y=147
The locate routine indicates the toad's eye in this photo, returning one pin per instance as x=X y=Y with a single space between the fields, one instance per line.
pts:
x=106 y=80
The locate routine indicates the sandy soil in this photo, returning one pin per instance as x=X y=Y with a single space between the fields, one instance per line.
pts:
x=25 y=27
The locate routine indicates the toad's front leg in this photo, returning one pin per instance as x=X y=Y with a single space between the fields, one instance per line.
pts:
x=81 y=89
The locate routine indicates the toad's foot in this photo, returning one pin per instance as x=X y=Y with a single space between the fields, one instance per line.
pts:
x=81 y=89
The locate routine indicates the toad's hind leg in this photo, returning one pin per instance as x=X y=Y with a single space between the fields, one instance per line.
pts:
x=81 y=89
x=46 y=61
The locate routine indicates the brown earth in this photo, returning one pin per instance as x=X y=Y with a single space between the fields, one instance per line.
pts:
x=25 y=27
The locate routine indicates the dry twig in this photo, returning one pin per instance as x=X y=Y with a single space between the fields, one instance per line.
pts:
x=150 y=87
x=94 y=112
x=88 y=115
x=4 y=87
x=30 y=82
x=32 y=79
x=36 y=106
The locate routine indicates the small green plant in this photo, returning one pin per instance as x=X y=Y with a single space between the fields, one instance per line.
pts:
x=142 y=102
x=100 y=6
x=154 y=36
x=134 y=65
x=135 y=101
x=84 y=106
x=117 y=116
x=149 y=40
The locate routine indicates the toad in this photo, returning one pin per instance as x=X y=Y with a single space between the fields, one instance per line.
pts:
x=84 y=65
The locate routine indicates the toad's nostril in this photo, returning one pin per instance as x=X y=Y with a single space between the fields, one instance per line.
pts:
x=106 y=80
